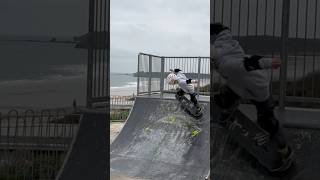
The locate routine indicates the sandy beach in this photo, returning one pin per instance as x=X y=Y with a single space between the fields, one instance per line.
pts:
x=43 y=93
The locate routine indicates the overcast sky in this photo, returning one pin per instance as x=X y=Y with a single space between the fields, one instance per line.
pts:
x=160 y=27
x=59 y=18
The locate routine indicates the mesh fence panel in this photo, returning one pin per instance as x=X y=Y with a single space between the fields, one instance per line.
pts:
x=153 y=71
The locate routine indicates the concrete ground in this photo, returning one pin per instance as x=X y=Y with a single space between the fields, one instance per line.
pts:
x=115 y=128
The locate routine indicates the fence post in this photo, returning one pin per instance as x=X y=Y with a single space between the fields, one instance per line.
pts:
x=199 y=70
x=162 y=77
x=150 y=75
x=90 y=55
x=138 y=74
x=284 y=52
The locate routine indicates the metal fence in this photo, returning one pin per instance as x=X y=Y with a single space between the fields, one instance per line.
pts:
x=153 y=70
x=120 y=107
x=279 y=28
x=33 y=144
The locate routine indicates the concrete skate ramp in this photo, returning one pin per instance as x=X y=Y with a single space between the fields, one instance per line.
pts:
x=229 y=161
x=86 y=158
x=160 y=141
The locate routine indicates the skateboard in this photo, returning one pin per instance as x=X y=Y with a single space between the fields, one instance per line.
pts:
x=255 y=140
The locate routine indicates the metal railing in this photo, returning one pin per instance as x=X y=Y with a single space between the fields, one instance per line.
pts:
x=120 y=107
x=153 y=70
x=33 y=144
x=279 y=28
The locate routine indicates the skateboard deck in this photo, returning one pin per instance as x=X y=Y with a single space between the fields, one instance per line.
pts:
x=255 y=140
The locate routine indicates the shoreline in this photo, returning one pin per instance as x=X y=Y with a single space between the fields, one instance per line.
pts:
x=52 y=93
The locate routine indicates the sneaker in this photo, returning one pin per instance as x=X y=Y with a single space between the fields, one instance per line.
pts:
x=285 y=152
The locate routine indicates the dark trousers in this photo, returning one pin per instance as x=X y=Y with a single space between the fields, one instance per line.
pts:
x=193 y=98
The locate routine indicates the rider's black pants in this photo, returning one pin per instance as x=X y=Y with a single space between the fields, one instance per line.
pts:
x=193 y=98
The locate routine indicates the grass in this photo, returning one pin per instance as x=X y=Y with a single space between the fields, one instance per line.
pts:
x=119 y=114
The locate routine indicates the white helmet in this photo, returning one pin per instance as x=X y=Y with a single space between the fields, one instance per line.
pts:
x=171 y=78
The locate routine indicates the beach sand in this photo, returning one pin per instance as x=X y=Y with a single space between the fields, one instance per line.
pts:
x=115 y=128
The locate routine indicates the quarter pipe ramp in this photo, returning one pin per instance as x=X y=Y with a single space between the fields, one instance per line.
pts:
x=161 y=141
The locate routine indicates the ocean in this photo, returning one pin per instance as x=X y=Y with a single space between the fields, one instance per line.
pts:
x=123 y=84
x=48 y=75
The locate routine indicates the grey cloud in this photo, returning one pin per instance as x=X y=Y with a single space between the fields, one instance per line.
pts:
x=161 y=27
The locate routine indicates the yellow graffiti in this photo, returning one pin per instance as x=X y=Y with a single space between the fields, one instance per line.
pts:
x=195 y=133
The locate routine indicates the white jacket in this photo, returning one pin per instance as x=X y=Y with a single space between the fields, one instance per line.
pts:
x=182 y=82
x=228 y=57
